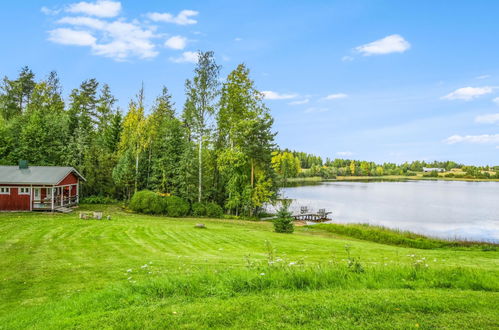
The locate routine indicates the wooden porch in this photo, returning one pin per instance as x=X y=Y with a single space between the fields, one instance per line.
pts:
x=52 y=198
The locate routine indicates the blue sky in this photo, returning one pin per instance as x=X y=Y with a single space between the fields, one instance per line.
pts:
x=376 y=80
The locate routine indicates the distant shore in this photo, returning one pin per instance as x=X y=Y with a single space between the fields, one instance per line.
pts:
x=384 y=178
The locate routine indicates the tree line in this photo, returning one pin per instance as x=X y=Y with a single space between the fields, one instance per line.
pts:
x=218 y=148
x=300 y=164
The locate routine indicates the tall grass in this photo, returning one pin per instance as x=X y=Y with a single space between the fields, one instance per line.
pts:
x=388 y=236
x=271 y=275
x=147 y=296
x=279 y=273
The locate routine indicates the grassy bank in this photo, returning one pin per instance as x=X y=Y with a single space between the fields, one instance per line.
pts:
x=385 y=235
x=307 y=179
x=139 y=271
x=412 y=177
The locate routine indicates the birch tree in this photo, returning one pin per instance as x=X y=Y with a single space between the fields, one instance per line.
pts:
x=202 y=92
x=133 y=137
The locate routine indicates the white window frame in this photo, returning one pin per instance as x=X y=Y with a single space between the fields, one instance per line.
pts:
x=23 y=191
x=37 y=198
x=4 y=190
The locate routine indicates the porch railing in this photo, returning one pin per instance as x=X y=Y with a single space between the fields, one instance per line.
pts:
x=46 y=203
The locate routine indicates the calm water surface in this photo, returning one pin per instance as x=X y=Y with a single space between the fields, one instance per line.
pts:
x=448 y=209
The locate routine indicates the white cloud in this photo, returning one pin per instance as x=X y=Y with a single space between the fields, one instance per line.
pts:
x=496 y=100
x=483 y=76
x=183 y=18
x=71 y=37
x=484 y=138
x=391 y=44
x=100 y=8
x=127 y=40
x=468 y=93
x=305 y=101
x=347 y=58
x=90 y=22
x=270 y=95
x=238 y=39
x=118 y=40
x=186 y=57
x=344 y=153
x=488 y=119
x=336 y=96
x=49 y=11
x=176 y=42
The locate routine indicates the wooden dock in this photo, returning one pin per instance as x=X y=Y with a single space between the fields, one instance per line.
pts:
x=305 y=215
x=318 y=217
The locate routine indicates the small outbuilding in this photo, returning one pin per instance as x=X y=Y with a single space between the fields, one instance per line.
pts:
x=433 y=169
x=33 y=188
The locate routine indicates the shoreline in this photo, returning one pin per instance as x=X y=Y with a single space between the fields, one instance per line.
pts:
x=317 y=179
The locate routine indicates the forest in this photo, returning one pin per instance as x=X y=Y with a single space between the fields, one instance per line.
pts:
x=309 y=165
x=218 y=148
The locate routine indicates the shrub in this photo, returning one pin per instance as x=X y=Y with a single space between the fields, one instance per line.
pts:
x=199 y=209
x=98 y=200
x=284 y=221
x=176 y=206
x=146 y=201
x=432 y=174
x=214 y=210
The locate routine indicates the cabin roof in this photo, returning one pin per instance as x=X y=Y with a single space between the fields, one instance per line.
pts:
x=49 y=175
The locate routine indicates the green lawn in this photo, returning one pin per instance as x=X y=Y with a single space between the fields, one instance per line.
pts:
x=138 y=271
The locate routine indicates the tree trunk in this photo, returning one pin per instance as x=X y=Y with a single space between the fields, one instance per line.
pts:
x=200 y=157
x=149 y=168
x=136 y=170
x=252 y=173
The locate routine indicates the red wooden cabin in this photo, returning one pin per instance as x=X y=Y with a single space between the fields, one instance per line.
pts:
x=30 y=188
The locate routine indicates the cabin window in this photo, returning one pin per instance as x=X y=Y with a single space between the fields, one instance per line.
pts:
x=23 y=191
x=48 y=192
x=5 y=190
x=36 y=193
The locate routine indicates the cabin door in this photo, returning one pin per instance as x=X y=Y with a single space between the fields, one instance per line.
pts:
x=36 y=194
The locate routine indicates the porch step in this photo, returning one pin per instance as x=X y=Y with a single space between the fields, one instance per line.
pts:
x=63 y=209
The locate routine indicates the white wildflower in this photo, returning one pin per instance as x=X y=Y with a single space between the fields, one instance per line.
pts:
x=292 y=263
x=144 y=266
x=262 y=274
x=129 y=270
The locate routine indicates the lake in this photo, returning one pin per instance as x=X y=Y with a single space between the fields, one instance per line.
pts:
x=447 y=209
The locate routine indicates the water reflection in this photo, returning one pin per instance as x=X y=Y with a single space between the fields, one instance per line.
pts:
x=448 y=209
